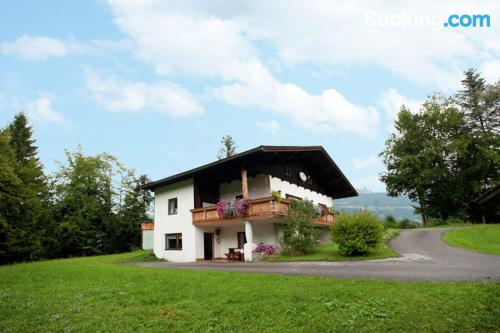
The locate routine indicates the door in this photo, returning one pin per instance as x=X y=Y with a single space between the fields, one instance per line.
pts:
x=208 y=245
x=242 y=239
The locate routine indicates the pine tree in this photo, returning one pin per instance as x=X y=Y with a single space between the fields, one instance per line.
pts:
x=19 y=239
x=25 y=224
x=21 y=139
x=480 y=102
x=133 y=211
x=228 y=148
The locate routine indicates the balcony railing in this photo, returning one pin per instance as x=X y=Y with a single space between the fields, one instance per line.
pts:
x=263 y=208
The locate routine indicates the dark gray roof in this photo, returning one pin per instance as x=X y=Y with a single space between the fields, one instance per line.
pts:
x=316 y=158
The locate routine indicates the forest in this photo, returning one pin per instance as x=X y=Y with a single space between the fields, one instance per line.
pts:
x=90 y=205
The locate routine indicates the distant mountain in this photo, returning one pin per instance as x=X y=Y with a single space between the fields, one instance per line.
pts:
x=380 y=204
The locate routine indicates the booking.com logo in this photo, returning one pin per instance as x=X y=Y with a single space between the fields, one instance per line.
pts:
x=415 y=19
x=465 y=21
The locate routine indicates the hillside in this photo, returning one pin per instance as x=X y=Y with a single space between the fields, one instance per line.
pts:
x=379 y=203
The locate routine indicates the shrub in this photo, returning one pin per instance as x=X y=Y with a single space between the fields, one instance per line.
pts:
x=300 y=234
x=357 y=233
x=276 y=195
x=406 y=224
x=436 y=221
x=455 y=220
x=390 y=222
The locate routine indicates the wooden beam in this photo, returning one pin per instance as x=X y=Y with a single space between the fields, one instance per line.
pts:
x=244 y=183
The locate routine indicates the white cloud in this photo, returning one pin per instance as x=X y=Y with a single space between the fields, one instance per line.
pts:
x=326 y=112
x=371 y=183
x=223 y=42
x=42 y=47
x=177 y=40
x=392 y=101
x=199 y=37
x=370 y=162
x=119 y=95
x=38 y=47
x=272 y=127
x=112 y=45
x=41 y=110
x=181 y=41
x=491 y=70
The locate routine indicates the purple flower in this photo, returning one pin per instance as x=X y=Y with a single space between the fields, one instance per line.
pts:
x=265 y=249
x=241 y=207
x=228 y=208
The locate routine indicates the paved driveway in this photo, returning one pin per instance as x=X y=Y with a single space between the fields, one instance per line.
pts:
x=423 y=257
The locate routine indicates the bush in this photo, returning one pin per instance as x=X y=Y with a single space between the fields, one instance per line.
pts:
x=406 y=224
x=455 y=220
x=390 y=222
x=276 y=195
x=300 y=234
x=450 y=220
x=357 y=233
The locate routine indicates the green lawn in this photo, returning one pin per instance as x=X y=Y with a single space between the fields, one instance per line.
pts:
x=330 y=252
x=483 y=238
x=94 y=294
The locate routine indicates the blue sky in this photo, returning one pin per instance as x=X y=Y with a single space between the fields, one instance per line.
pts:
x=157 y=84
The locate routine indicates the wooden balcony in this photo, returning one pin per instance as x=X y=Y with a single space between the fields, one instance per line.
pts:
x=260 y=209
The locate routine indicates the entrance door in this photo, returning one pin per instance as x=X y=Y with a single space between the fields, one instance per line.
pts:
x=208 y=245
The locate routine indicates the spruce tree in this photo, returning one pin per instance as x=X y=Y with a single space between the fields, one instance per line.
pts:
x=30 y=172
x=15 y=228
x=228 y=148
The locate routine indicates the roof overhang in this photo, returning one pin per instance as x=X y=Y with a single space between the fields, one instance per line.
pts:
x=315 y=158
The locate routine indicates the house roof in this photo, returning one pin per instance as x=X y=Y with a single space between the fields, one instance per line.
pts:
x=488 y=195
x=331 y=180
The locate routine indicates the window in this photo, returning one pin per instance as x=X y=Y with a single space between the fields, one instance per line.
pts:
x=242 y=239
x=288 y=171
x=173 y=241
x=172 y=206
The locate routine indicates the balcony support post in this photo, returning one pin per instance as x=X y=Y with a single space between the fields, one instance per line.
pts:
x=249 y=246
x=244 y=183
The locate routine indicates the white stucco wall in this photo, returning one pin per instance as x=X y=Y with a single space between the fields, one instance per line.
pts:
x=299 y=191
x=192 y=236
x=258 y=187
x=178 y=223
x=265 y=233
x=261 y=186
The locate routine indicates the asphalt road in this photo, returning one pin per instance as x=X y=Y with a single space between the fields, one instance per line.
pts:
x=423 y=256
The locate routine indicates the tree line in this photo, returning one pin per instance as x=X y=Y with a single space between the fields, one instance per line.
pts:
x=447 y=153
x=90 y=205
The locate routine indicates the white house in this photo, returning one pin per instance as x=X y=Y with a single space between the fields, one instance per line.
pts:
x=188 y=227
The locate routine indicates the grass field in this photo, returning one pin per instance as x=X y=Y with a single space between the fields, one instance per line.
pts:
x=330 y=252
x=96 y=294
x=482 y=238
